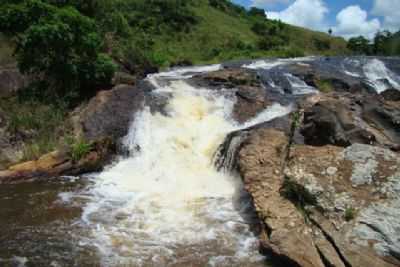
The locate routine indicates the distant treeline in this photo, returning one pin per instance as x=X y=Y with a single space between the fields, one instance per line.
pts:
x=384 y=43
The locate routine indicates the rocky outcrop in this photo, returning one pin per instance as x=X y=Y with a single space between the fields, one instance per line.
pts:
x=286 y=235
x=251 y=97
x=11 y=80
x=345 y=119
x=323 y=205
x=109 y=113
x=59 y=163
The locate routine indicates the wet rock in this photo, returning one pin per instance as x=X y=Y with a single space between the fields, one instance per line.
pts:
x=251 y=97
x=60 y=163
x=345 y=119
x=109 y=113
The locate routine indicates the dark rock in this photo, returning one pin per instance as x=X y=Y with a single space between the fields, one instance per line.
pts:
x=391 y=95
x=344 y=119
x=109 y=114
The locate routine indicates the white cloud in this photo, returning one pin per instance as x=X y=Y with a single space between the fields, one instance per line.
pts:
x=305 y=13
x=353 y=21
x=390 y=11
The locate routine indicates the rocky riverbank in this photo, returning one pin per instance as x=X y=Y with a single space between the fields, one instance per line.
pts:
x=325 y=179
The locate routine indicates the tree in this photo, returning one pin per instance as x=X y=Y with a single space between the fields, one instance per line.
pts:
x=330 y=31
x=58 y=45
x=359 y=45
x=254 y=11
x=382 y=43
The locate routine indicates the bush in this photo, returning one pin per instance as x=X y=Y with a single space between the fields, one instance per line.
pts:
x=349 y=214
x=80 y=149
x=321 y=45
x=59 y=46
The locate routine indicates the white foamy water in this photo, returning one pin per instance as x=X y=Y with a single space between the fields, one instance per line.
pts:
x=272 y=63
x=379 y=76
x=166 y=204
x=298 y=86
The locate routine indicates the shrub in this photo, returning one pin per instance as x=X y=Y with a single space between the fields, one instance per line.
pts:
x=80 y=149
x=321 y=45
x=59 y=46
x=349 y=213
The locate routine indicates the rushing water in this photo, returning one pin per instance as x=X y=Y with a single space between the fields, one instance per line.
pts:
x=165 y=204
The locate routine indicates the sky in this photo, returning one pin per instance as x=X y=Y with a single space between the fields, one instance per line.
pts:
x=347 y=18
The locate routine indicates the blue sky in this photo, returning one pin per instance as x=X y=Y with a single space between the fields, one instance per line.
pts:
x=347 y=18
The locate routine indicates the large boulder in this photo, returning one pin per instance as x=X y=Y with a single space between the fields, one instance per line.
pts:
x=251 y=97
x=109 y=113
x=345 y=119
x=356 y=200
x=286 y=235
x=323 y=205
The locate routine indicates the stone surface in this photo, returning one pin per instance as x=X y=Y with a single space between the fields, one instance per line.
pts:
x=343 y=204
x=251 y=97
x=109 y=113
x=59 y=163
x=286 y=235
x=345 y=119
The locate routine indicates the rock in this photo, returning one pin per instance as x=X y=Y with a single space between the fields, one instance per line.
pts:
x=109 y=114
x=286 y=235
x=123 y=78
x=356 y=206
x=11 y=80
x=391 y=95
x=344 y=119
x=319 y=205
x=251 y=97
x=60 y=163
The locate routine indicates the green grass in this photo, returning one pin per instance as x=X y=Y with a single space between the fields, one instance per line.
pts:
x=324 y=86
x=221 y=36
x=6 y=51
x=39 y=126
x=349 y=213
x=79 y=149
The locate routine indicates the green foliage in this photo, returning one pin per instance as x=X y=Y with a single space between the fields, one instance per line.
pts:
x=349 y=213
x=324 y=86
x=359 y=45
x=386 y=43
x=254 y=11
x=79 y=149
x=321 y=44
x=39 y=125
x=59 y=46
x=297 y=194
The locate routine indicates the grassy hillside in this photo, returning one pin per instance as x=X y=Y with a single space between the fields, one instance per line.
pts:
x=168 y=32
x=222 y=35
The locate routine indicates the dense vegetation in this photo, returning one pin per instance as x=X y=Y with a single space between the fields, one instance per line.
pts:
x=385 y=43
x=73 y=47
x=68 y=42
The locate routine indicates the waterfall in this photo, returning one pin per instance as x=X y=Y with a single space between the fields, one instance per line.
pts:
x=167 y=204
x=379 y=76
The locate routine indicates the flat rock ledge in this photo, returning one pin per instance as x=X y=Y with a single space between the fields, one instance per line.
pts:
x=59 y=163
x=323 y=206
